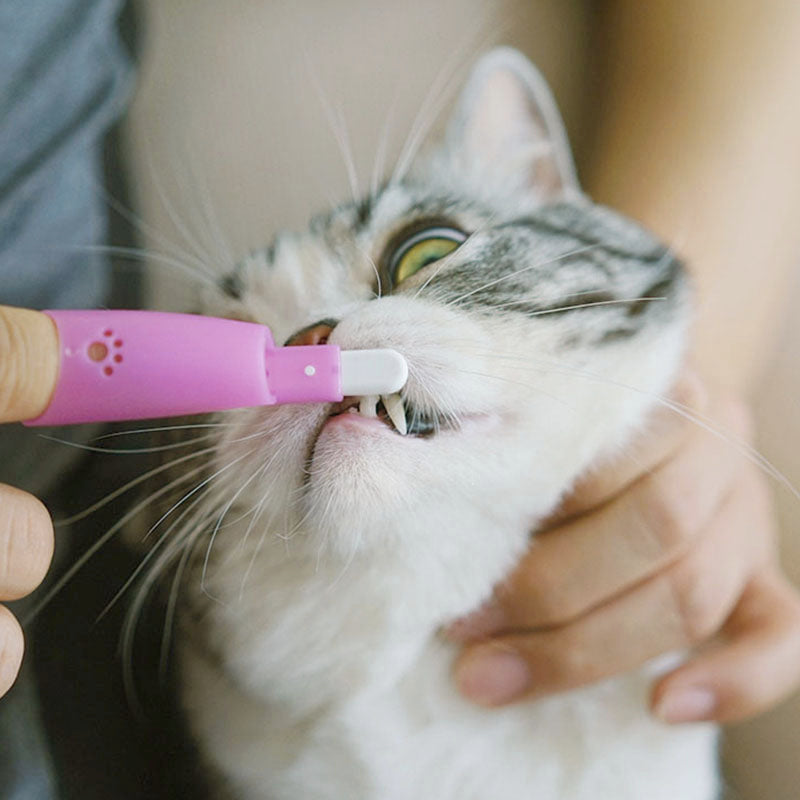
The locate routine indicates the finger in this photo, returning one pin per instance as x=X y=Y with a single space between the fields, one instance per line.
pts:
x=26 y=543
x=11 y=648
x=584 y=563
x=681 y=607
x=752 y=669
x=666 y=429
x=28 y=363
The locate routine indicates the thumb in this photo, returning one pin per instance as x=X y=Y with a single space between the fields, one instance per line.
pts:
x=28 y=363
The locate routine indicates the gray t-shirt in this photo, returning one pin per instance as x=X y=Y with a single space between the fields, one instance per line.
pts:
x=64 y=79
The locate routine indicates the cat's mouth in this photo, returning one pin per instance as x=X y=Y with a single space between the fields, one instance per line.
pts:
x=393 y=411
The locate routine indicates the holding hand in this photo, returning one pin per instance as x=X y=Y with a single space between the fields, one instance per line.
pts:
x=28 y=371
x=671 y=548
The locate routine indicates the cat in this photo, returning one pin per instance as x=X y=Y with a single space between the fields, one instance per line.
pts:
x=328 y=545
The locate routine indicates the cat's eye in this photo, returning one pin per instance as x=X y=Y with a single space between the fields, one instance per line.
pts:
x=421 y=249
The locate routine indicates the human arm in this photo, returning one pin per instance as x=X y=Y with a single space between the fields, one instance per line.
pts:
x=696 y=137
x=669 y=548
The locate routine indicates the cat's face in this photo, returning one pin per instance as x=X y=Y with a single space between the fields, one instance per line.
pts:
x=536 y=327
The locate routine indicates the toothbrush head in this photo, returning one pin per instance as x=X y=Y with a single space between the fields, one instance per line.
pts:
x=372 y=372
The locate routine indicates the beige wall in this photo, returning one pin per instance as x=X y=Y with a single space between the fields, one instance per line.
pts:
x=764 y=755
x=229 y=120
x=229 y=142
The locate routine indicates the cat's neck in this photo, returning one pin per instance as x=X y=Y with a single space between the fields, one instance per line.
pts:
x=298 y=617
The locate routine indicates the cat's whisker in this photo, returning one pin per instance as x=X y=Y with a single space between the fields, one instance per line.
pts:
x=149 y=556
x=323 y=545
x=183 y=542
x=256 y=512
x=354 y=549
x=374 y=269
x=253 y=509
x=559 y=309
x=347 y=154
x=196 y=489
x=441 y=90
x=192 y=536
x=253 y=557
x=218 y=240
x=130 y=485
x=737 y=443
x=509 y=275
x=102 y=541
x=515 y=382
x=128 y=634
x=162 y=429
x=258 y=434
x=742 y=447
x=296 y=500
x=299 y=498
x=429 y=110
x=443 y=262
x=127 y=450
x=379 y=164
x=338 y=128
x=170 y=612
x=190 y=237
x=150 y=231
x=259 y=472
x=259 y=545
x=201 y=277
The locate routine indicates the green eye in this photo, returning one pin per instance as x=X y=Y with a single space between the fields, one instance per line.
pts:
x=423 y=248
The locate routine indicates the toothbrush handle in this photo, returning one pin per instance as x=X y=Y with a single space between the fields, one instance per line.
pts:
x=128 y=365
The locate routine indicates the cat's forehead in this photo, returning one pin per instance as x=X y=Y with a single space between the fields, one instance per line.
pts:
x=395 y=206
x=375 y=219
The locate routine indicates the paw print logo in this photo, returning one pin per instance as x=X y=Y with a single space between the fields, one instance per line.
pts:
x=106 y=352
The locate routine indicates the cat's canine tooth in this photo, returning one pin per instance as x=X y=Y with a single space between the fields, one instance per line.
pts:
x=367 y=405
x=393 y=404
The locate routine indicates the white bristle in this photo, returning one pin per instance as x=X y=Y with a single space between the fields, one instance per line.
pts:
x=372 y=372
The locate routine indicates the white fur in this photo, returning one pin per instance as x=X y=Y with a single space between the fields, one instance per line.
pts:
x=334 y=570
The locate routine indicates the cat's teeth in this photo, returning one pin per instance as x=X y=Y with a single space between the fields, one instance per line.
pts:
x=393 y=404
x=367 y=405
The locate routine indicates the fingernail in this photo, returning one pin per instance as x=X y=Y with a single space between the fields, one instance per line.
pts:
x=691 y=704
x=493 y=678
x=488 y=619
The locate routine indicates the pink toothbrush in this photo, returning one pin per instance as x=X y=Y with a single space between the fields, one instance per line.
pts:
x=128 y=365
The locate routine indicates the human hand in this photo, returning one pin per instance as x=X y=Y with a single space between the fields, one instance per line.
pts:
x=670 y=549
x=28 y=372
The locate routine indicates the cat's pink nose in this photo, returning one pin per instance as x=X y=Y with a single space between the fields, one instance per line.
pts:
x=317 y=333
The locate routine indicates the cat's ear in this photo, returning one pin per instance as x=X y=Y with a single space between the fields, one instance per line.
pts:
x=507 y=125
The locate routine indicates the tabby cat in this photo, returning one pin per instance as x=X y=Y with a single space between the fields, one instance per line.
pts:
x=330 y=544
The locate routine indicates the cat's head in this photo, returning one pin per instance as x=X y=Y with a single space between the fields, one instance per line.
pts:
x=537 y=328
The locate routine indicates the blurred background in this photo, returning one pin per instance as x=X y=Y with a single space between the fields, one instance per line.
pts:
x=246 y=114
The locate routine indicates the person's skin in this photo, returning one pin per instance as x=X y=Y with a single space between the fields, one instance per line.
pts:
x=28 y=372
x=674 y=546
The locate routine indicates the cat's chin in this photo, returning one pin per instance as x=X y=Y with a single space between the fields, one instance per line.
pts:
x=348 y=436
